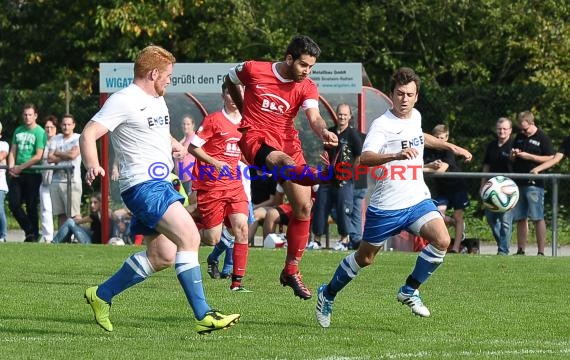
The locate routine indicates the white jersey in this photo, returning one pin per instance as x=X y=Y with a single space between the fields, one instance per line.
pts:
x=400 y=183
x=140 y=133
x=61 y=144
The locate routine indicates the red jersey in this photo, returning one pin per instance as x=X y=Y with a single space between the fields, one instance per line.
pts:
x=271 y=102
x=218 y=136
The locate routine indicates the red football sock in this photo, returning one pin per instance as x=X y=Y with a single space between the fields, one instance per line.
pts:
x=297 y=237
x=240 y=262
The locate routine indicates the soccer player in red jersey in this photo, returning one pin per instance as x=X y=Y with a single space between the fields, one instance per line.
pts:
x=219 y=190
x=274 y=93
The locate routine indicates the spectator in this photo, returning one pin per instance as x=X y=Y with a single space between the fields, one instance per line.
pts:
x=185 y=166
x=360 y=188
x=28 y=143
x=73 y=226
x=50 y=127
x=64 y=150
x=121 y=220
x=531 y=148
x=4 y=149
x=340 y=194
x=282 y=212
x=450 y=193
x=497 y=161
x=278 y=214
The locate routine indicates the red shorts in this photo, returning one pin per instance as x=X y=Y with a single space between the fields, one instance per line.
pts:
x=285 y=213
x=216 y=205
x=252 y=141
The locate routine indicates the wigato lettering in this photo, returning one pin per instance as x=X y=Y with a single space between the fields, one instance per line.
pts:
x=118 y=82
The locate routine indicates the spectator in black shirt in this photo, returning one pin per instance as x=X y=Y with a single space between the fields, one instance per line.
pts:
x=497 y=161
x=531 y=148
x=340 y=194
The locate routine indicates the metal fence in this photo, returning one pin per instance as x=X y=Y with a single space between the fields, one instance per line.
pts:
x=69 y=172
x=553 y=179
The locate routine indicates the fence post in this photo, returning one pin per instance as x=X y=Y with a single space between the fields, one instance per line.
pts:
x=554 y=216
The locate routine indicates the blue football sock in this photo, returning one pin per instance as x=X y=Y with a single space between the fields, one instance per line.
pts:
x=134 y=270
x=429 y=259
x=188 y=272
x=345 y=272
x=228 y=261
x=218 y=250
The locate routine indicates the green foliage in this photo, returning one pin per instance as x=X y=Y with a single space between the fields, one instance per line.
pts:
x=478 y=60
x=483 y=307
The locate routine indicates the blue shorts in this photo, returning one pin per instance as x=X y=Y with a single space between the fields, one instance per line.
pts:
x=148 y=201
x=382 y=224
x=251 y=217
x=530 y=205
x=458 y=200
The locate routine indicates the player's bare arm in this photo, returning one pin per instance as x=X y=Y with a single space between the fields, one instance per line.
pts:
x=203 y=156
x=370 y=158
x=435 y=143
x=235 y=93
x=88 y=146
x=319 y=127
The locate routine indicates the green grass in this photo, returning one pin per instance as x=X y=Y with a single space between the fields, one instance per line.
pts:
x=483 y=307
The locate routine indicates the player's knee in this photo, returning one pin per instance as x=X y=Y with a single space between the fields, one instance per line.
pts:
x=161 y=260
x=442 y=242
x=302 y=210
x=241 y=233
x=363 y=259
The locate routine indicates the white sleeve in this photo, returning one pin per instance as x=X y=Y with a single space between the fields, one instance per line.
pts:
x=53 y=143
x=375 y=139
x=113 y=113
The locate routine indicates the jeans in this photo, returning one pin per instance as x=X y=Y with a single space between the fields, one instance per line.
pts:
x=342 y=200
x=502 y=227
x=25 y=190
x=356 y=219
x=3 y=221
x=69 y=228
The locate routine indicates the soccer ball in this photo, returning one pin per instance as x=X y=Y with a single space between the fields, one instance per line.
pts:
x=500 y=194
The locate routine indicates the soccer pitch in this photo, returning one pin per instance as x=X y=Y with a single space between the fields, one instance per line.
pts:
x=483 y=307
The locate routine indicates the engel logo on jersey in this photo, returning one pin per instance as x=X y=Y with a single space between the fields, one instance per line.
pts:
x=413 y=142
x=158 y=121
x=274 y=103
